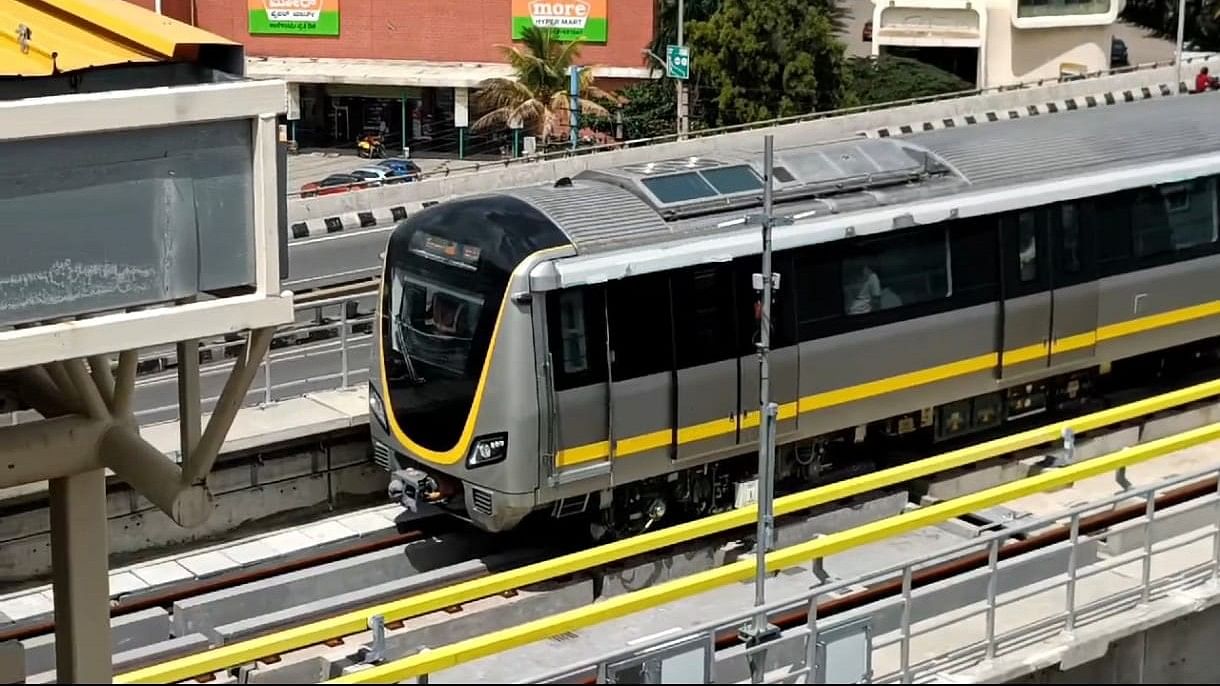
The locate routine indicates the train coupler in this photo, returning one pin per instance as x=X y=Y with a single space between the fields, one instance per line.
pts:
x=409 y=486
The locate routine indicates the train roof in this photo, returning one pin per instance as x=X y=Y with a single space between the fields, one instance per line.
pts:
x=669 y=212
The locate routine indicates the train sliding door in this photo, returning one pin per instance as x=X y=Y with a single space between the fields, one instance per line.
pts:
x=1025 y=342
x=576 y=325
x=642 y=393
x=705 y=336
x=1074 y=288
x=784 y=359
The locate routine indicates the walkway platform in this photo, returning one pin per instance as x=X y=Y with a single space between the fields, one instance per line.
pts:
x=315 y=414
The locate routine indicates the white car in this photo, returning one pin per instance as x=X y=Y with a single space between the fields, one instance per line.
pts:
x=380 y=175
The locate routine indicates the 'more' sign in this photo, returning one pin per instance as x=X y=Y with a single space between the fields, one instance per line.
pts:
x=573 y=19
x=294 y=17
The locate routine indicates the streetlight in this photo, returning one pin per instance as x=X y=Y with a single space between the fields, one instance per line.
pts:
x=1177 y=62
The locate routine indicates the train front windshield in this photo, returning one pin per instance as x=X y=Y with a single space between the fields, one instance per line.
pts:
x=442 y=300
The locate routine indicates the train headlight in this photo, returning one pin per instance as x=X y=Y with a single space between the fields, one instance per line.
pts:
x=488 y=450
x=377 y=407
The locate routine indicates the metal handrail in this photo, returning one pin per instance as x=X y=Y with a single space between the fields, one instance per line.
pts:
x=337 y=340
x=1069 y=617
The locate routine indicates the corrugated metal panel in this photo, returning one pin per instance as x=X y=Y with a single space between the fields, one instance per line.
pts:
x=68 y=35
x=1073 y=142
x=597 y=216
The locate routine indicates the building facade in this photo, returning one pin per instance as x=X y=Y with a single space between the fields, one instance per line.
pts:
x=406 y=69
x=999 y=42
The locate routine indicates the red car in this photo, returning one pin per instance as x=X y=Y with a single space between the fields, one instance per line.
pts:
x=335 y=183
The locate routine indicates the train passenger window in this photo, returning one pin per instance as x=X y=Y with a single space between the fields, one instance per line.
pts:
x=1027 y=246
x=572 y=332
x=641 y=331
x=1191 y=212
x=1112 y=215
x=1069 y=239
x=577 y=331
x=704 y=325
x=783 y=316
x=975 y=259
x=817 y=289
x=892 y=271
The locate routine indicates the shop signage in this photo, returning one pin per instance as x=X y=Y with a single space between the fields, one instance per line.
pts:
x=575 y=19
x=294 y=17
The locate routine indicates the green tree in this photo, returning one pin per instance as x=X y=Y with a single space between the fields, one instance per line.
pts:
x=889 y=78
x=770 y=58
x=667 y=22
x=539 y=94
x=1160 y=17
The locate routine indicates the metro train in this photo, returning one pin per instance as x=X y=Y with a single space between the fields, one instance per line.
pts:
x=587 y=347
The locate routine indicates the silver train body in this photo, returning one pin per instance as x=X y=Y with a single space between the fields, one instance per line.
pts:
x=588 y=345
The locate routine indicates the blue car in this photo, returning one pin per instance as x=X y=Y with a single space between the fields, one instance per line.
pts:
x=401 y=166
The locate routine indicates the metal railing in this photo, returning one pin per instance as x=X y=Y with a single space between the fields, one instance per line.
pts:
x=474 y=167
x=328 y=353
x=870 y=634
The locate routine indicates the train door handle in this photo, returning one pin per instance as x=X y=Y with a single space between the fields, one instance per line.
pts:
x=1135 y=305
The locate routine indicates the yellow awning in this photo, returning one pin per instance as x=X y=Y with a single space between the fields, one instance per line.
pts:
x=41 y=37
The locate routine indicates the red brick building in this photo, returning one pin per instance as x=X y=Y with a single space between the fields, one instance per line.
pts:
x=391 y=65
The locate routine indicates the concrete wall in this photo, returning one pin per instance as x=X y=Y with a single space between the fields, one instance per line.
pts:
x=1181 y=651
x=249 y=489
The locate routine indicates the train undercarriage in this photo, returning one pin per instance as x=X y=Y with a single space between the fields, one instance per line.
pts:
x=732 y=482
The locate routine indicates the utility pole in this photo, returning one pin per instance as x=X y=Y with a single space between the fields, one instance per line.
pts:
x=681 y=84
x=762 y=631
x=1177 y=61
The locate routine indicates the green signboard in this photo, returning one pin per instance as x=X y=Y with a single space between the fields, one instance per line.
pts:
x=294 y=17
x=677 y=61
x=583 y=20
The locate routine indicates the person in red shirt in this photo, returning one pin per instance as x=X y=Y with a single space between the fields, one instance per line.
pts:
x=1204 y=81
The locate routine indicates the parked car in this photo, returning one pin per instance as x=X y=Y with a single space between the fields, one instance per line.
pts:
x=380 y=175
x=335 y=183
x=403 y=166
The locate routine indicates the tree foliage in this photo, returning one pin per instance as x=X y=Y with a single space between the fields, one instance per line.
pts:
x=667 y=22
x=889 y=78
x=539 y=94
x=650 y=110
x=770 y=58
x=1160 y=17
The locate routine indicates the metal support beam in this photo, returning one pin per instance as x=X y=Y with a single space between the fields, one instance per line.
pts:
x=188 y=397
x=80 y=566
x=38 y=391
x=99 y=369
x=148 y=470
x=125 y=383
x=49 y=449
x=86 y=389
x=227 y=405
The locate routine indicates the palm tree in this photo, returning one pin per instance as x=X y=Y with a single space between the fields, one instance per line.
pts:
x=539 y=93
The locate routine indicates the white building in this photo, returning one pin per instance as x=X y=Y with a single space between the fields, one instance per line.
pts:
x=999 y=42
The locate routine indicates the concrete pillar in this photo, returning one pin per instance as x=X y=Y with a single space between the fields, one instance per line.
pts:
x=81 y=571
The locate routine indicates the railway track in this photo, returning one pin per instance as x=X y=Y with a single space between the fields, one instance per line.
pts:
x=741 y=537
x=166 y=597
